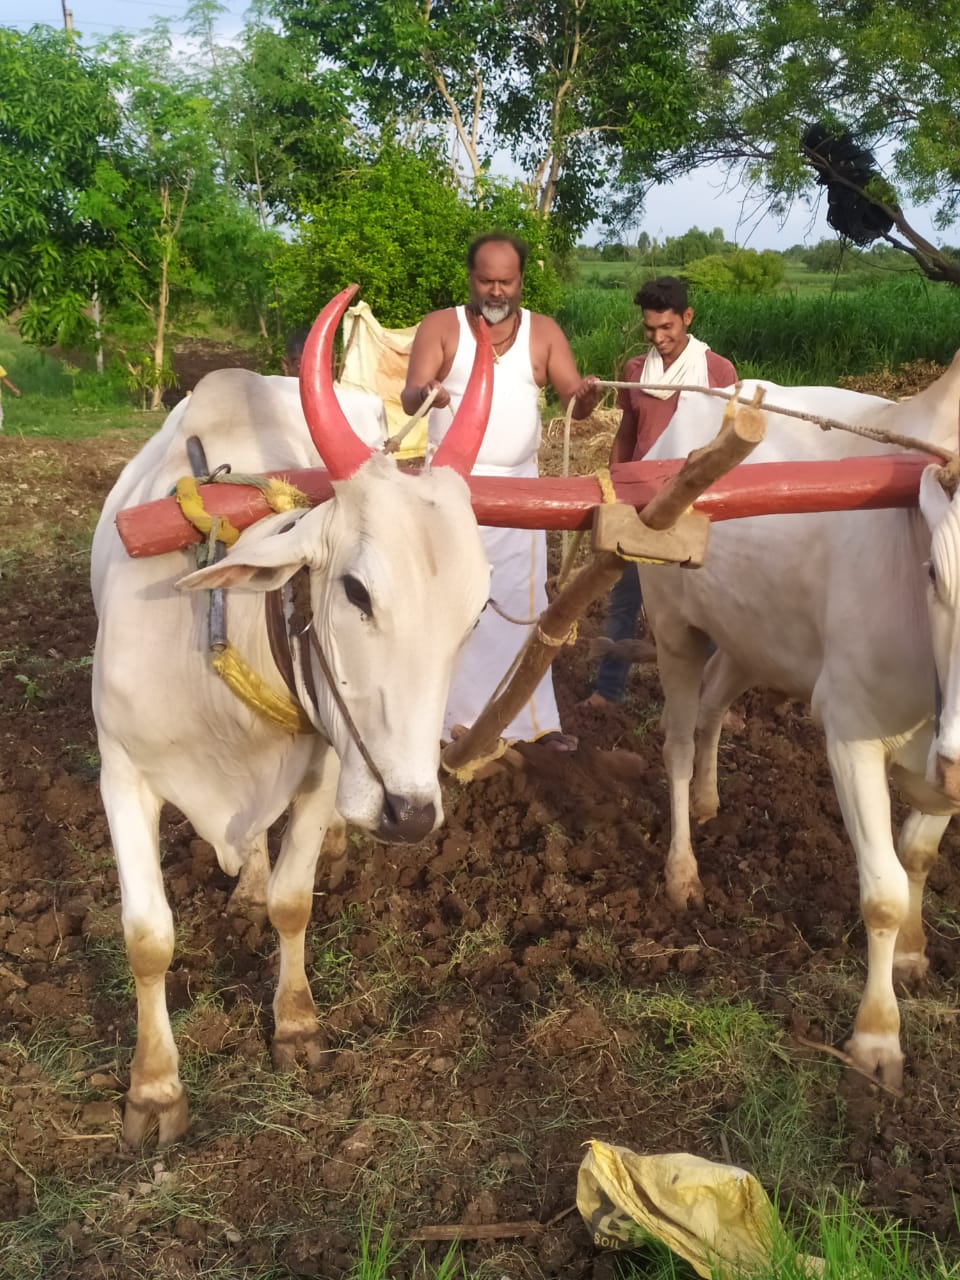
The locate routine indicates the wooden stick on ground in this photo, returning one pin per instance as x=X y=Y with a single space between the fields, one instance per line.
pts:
x=742 y=430
x=489 y=1230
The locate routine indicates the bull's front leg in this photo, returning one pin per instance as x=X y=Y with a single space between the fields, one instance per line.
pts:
x=296 y=1034
x=133 y=810
x=859 y=774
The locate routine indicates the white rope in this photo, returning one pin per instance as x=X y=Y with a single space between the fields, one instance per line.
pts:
x=825 y=424
x=394 y=442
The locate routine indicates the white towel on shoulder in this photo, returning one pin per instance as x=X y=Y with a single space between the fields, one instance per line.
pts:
x=689 y=369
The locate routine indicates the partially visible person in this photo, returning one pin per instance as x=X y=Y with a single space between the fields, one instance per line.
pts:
x=293 y=352
x=529 y=351
x=5 y=382
x=675 y=358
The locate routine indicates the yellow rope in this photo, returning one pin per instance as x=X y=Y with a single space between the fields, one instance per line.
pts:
x=557 y=642
x=472 y=767
x=253 y=690
x=191 y=504
x=607 y=491
x=284 y=496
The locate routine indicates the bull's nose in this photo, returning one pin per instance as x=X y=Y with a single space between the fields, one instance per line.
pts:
x=405 y=822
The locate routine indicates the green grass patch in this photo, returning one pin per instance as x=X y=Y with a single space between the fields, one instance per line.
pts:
x=61 y=400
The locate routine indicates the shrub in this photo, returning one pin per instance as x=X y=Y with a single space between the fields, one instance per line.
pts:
x=742 y=271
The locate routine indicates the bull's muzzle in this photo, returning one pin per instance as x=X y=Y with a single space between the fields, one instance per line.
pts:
x=403 y=821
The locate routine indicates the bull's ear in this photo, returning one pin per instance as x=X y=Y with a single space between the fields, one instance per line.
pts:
x=264 y=558
x=239 y=574
x=934 y=500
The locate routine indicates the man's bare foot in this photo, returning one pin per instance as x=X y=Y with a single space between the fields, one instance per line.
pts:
x=598 y=702
x=558 y=741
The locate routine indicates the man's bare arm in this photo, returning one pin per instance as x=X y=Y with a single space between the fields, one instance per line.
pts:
x=427 y=358
x=563 y=376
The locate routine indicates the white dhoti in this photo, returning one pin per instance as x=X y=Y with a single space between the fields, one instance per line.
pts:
x=518 y=562
x=518 y=557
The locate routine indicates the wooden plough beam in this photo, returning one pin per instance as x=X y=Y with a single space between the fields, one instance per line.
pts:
x=554 y=502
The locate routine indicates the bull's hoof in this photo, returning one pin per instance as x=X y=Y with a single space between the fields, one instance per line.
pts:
x=879 y=1058
x=685 y=893
x=293 y=1049
x=247 y=906
x=170 y=1119
x=910 y=968
x=704 y=810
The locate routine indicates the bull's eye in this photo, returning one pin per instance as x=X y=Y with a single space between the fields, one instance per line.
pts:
x=357 y=594
x=932 y=573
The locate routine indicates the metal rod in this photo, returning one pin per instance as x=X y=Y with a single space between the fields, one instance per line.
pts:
x=217 y=612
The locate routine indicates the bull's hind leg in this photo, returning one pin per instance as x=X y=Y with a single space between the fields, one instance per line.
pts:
x=723 y=683
x=917 y=850
x=681 y=653
x=133 y=812
x=289 y=901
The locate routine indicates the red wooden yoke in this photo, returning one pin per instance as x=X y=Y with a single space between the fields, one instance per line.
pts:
x=554 y=502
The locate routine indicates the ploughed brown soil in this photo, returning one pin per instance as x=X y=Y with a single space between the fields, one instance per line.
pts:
x=476 y=985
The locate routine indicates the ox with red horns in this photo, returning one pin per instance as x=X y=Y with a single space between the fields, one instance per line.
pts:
x=326 y=692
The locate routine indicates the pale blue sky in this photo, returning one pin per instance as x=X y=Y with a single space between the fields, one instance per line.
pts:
x=703 y=199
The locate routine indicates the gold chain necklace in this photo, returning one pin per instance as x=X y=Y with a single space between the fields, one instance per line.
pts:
x=506 y=342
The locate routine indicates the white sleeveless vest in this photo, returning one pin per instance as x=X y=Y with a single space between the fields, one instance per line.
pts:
x=513 y=433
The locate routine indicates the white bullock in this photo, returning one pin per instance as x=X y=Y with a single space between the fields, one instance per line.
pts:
x=394 y=579
x=857 y=612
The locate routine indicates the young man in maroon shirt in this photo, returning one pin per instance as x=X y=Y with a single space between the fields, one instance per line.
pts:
x=675 y=357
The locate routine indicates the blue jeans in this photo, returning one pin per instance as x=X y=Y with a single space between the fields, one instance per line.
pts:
x=623 y=613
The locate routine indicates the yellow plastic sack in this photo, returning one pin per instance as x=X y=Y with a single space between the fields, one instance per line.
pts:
x=715 y=1216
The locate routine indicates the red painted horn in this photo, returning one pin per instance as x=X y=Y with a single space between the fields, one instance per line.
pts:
x=342 y=450
x=460 y=446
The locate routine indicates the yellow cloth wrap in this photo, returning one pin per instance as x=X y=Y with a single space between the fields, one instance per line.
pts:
x=284 y=496
x=191 y=504
x=252 y=690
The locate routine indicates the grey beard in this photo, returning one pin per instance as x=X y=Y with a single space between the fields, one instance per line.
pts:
x=494 y=312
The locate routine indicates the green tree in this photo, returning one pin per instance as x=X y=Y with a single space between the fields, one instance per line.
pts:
x=180 y=235
x=580 y=92
x=57 y=116
x=400 y=227
x=888 y=76
x=283 y=128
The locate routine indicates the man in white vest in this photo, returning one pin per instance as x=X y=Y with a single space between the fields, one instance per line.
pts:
x=529 y=350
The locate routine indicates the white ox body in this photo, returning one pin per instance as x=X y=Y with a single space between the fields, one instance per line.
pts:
x=858 y=613
x=408 y=548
